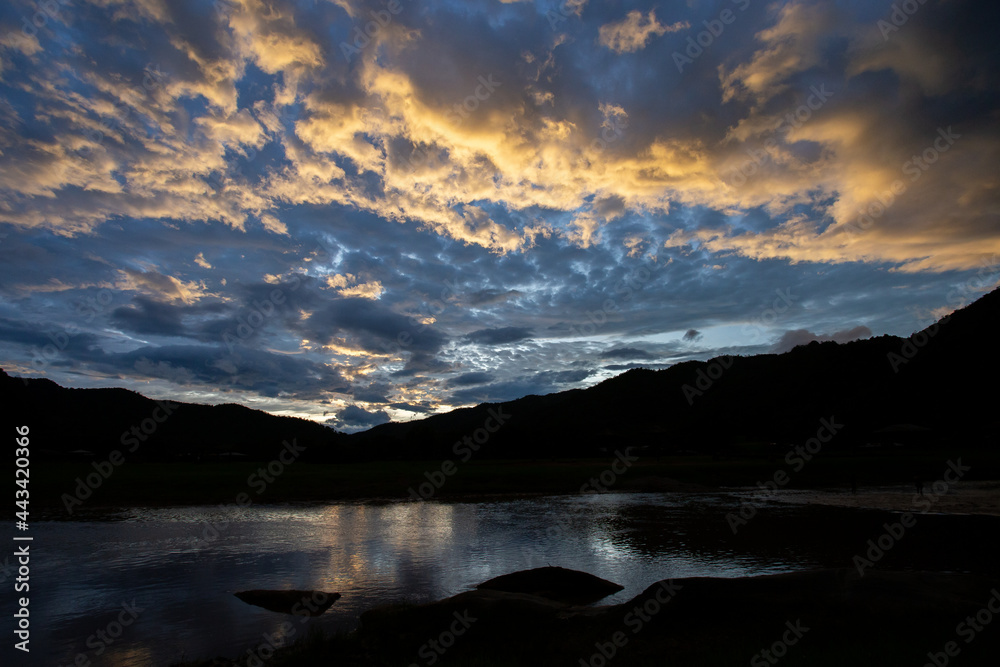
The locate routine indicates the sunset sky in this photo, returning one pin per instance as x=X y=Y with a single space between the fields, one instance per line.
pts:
x=362 y=211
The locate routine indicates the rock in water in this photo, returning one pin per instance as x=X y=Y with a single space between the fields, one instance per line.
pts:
x=554 y=583
x=300 y=603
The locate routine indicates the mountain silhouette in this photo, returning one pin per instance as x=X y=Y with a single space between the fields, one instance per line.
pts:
x=940 y=380
x=87 y=423
x=934 y=388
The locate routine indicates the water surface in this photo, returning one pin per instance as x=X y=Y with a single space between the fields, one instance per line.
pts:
x=84 y=571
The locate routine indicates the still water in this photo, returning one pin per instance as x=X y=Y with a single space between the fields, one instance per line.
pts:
x=88 y=574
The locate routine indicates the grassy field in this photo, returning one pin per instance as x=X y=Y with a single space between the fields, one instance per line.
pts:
x=139 y=483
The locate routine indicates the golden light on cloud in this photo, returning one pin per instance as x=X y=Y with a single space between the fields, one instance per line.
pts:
x=350 y=285
x=436 y=164
x=429 y=208
x=162 y=286
x=634 y=31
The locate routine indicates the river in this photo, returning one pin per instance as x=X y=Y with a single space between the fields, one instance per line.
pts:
x=162 y=580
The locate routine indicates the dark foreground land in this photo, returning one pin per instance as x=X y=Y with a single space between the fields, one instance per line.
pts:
x=136 y=483
x=825 y=617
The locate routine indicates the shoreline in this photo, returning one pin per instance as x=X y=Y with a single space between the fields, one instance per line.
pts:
x=137 y=483
x=972 y=498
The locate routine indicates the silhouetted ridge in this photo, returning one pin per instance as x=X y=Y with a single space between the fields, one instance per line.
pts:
x=92 y=422
x=931 y=379
x=940 y=379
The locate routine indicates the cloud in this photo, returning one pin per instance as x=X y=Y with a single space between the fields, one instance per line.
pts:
x=147 y=316
x=792 y=45
x=489 y=297
x=272 y=224
x=422 y=408
x=342 y=283
x=372 y=327
x=386 y=139
x=271 y=37
x=352 y=418
x=421 y=363
x=244 y=369
x=561 y=377
x=796 y=337
x=540 y=383
x=158 y=285
x=374 y=392
x=634 y=31
x=626 y=353
x=628 y=367
x=499 y=392
x=499 y=336
x=471 y=378
x=39 y=336
x=692 y=335
x=481 y=171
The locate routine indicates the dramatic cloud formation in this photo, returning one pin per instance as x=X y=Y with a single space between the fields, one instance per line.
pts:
x=376 y=212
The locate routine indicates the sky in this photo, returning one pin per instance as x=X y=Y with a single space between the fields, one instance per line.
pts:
x=358 y=212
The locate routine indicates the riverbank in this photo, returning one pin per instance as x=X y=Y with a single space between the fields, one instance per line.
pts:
x=980 y=498
x=59 y=487
x=824 y=617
